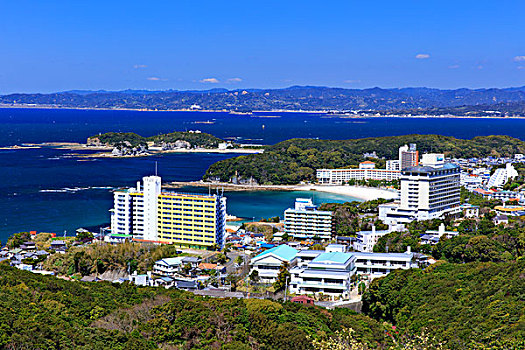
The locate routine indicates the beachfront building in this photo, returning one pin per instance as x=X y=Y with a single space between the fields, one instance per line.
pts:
x=428 y=191
x=305 y=221
x=366 y=171
x=365 y=240
x=146 y=213
x=329 y=273
x=268 y=263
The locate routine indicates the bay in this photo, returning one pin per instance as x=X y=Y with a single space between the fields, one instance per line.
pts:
x=46 y=190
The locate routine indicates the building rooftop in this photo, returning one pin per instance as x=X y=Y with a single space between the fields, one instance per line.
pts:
x=171 y=261
x=360 y=255
x=285 y=252
x=334 y=257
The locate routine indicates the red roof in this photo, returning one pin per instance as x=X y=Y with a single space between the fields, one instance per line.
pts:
x=367 y=162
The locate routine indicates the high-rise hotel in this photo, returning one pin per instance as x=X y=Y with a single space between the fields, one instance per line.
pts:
x=146 y=213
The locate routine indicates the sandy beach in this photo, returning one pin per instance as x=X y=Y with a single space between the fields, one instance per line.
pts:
x=363 y=193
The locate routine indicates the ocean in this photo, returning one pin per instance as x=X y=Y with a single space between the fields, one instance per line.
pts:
x=48 y=190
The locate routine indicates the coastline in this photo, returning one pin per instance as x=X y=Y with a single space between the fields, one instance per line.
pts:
x=105 y=152
x=363 y=193
x=324 y=112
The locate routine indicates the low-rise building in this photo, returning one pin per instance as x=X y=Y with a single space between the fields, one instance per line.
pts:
x=380 y=264
x=328 y=273
x=268 y=263
x=168 y=266
x=433 y=236
x=365 y=240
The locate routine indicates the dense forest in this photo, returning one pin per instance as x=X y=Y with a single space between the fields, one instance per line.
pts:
x=475 y=305
x=296 y=160
x=44 y=312
x=195 y=139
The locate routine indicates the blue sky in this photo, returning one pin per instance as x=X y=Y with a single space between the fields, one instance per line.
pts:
x=50 y=45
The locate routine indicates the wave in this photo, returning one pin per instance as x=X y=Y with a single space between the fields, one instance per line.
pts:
x=75 y=189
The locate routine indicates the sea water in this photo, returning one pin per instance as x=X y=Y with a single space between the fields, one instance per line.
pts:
x=49 y=190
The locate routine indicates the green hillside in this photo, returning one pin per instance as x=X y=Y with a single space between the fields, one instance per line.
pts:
x=295 y=160
x=475 y=305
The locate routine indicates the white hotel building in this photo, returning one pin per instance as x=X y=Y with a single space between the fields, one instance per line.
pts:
x=428 y=191
x=305 y=221
x=146 y=213
x=366 y=171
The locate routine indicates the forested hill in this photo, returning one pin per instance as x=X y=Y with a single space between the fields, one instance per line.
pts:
x=191 y=139
x=475 y=305
x=295 y=160
x=44 y=312
x=292 y=98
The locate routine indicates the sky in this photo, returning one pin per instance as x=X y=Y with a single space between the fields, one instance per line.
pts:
x=48 y=46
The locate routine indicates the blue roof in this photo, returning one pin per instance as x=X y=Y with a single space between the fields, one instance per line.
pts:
x=267 y=245
x=336 y=257
x=283 y=251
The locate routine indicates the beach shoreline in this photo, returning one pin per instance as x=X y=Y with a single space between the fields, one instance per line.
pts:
x=359 y=192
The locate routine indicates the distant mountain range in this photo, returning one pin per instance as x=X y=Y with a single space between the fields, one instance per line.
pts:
x=509 y=101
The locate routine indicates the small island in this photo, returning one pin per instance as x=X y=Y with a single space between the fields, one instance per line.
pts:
x=128 y=144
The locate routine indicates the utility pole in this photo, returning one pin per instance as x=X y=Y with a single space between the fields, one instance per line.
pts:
x=286 y=289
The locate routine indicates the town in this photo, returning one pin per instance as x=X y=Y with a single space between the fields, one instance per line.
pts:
x=303 y=255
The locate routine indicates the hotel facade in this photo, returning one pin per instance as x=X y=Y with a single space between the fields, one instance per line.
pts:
x=428 y=191
x=305 y=221
x=146 y=213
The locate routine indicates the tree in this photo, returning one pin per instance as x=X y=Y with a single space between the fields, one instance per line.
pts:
x=233 y=279
x=361 y=288
x=254 y=276
x=282 y=277
x=239 y=260
x=285 y=237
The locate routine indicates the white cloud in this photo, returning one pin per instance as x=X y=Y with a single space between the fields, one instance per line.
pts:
x=156 y=79
x=209 y=80
x=350 y=81
x=422 y=56
x=234 y=80
x=519 y=58
x=140 y=66
x=454 y=66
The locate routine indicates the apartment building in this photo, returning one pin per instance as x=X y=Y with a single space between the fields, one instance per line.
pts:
x=150 y=214
x=305 y=221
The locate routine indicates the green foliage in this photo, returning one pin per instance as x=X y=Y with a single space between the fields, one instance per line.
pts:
x=17 y=239
x=200 y=140
x=296 y=160
x=44 y=312
x=282 y=278
x=347 y=218
x=100 y=257
x=466 y=305
x=116 y=139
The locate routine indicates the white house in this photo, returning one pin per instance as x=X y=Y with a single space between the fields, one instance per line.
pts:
x=268 y=263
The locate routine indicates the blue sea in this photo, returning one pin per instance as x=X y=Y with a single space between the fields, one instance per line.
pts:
x=48 y=190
